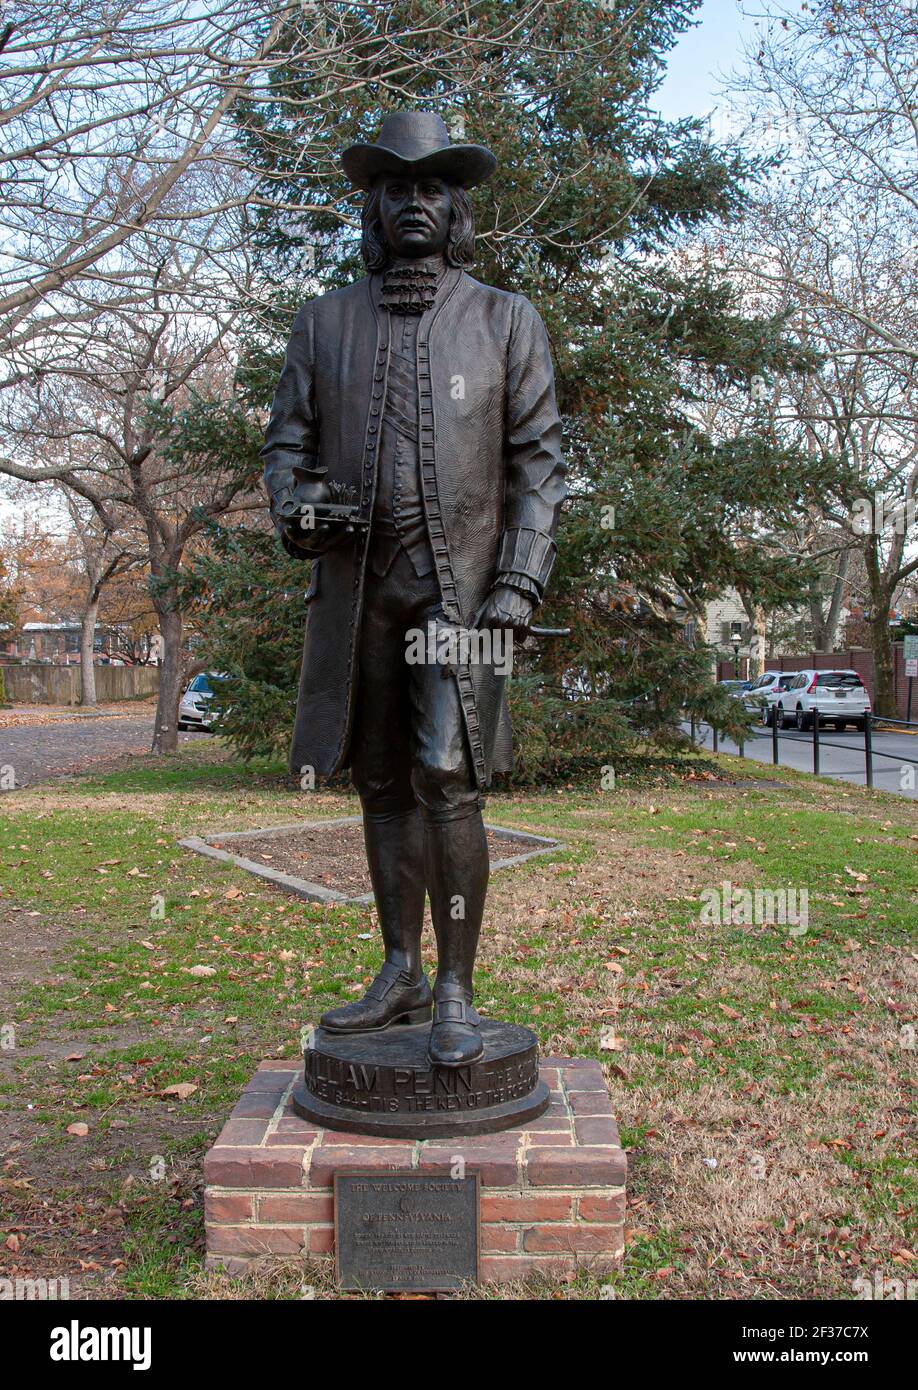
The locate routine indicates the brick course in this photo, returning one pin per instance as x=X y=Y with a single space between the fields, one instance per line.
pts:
x=552 y=1194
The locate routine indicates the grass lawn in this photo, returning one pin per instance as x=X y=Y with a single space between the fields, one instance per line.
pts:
x=763 y=1076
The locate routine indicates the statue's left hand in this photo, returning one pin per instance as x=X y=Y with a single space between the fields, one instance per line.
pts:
x=506 y=608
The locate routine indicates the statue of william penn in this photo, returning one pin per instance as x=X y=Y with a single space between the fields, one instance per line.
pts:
x=419 y=403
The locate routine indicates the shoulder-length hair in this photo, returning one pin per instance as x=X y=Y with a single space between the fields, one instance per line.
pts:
x=460 y=241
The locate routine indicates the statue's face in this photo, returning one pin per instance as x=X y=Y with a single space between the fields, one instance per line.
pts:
x=415 y=215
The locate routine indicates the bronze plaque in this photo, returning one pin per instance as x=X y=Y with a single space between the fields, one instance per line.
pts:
x=411 y=1231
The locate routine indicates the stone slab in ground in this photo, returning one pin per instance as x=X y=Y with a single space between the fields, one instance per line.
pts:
x=325 y=861
x=552 y=1193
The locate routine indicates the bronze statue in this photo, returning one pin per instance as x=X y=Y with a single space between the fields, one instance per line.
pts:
x=413 y=452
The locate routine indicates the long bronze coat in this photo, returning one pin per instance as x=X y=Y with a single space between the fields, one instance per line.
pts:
x=491 y=471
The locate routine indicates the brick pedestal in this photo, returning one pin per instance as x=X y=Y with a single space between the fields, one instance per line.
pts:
x=552 y=1193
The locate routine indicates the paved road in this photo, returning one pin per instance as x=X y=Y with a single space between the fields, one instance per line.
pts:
x=840 y=755
x=33 y=753
x=30 y=753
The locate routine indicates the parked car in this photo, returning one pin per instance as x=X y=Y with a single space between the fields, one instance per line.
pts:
x=195 y=710
x=840 y=697
x=735 y=688
x=762 y=696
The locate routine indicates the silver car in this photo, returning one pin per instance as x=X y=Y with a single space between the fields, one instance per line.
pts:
x=195 y=706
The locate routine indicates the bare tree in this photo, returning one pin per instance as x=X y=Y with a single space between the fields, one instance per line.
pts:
x=831 y=244
x=127 y=118
x=836 y=81
x=102 y=426
x=105 y=545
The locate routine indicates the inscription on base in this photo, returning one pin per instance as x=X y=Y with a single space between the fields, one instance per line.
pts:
x=412 y=1231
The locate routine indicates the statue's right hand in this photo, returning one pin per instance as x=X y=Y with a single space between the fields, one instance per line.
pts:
x=292 y=507
x=311 y=541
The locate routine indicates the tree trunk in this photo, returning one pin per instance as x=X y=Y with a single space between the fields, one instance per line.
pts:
x=825 y=623
x=87 y=648
x=884 y=693
x=835 y=604
x=171 y=673
x=757 y=645
x=758 y=622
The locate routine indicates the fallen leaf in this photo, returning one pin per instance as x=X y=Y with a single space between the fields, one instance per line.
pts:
x=181 y=1090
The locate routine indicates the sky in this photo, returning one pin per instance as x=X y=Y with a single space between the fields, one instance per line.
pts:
x=702 y=55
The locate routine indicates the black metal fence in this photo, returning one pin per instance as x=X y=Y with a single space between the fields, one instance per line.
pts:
x=871 y=723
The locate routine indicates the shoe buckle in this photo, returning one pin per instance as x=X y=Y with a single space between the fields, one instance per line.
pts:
x=451 y=1011
x=380 y=986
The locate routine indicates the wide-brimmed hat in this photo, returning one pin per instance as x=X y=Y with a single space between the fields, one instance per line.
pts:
x=417 y=143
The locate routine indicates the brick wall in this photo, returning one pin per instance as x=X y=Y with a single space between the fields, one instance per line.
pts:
x=552 y=1194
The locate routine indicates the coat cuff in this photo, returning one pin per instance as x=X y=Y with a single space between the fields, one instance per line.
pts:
x=521 y=583
x=284 y=468
x=527 y=553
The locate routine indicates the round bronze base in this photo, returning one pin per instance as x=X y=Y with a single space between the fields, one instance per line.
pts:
x=382 y=1083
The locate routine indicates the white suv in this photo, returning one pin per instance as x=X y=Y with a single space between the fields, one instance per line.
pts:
x=761 y=698
x=839 y=696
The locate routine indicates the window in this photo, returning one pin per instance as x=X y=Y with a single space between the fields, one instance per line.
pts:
x=839 y=680
x=204 y=683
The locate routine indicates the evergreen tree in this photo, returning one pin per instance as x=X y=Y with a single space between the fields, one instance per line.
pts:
x=590 y=213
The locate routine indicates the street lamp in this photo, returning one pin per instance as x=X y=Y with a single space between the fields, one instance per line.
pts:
x=736 y=637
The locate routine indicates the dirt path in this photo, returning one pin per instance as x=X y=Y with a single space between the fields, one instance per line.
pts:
x=35 y=752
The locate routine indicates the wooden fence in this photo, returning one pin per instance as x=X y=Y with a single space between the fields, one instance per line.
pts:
x=37 y=684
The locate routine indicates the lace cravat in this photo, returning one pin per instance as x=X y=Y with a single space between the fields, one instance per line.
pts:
x=411 y=287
